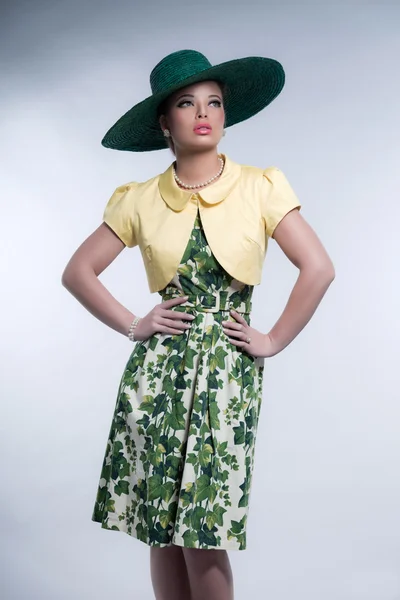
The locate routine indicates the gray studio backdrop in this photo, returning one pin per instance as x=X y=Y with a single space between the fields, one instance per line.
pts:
x=324 y=516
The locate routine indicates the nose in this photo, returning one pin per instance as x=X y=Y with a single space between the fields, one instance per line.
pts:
x=201 y=112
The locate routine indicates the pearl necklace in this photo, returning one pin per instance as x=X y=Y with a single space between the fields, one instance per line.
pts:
x=190 y=187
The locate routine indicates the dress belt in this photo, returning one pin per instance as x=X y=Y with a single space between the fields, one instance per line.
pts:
x=216 y=302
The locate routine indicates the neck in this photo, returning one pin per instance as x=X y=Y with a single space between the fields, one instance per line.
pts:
x=198 y=167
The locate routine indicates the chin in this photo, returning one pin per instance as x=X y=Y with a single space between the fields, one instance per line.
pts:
x=204 y=143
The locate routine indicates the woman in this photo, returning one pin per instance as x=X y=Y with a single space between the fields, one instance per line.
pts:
x=180 y=454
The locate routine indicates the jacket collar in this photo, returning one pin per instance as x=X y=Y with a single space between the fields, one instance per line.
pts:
x=177 y=198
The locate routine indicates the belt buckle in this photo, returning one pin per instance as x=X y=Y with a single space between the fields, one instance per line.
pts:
x=215 y=308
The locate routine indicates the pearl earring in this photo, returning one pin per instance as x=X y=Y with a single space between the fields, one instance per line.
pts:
x=167 y=133
x=223 y=132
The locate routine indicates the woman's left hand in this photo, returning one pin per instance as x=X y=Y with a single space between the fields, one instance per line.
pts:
x=239 y=332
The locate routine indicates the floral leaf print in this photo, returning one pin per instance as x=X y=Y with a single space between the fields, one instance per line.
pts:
x=179 y=457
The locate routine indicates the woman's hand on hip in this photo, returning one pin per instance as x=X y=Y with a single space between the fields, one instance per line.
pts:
x=162 y=319
x=240 y=331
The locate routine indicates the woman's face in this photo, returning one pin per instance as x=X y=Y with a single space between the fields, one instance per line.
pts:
x=190 y=108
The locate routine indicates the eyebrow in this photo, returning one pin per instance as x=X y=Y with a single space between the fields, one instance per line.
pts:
x=192 y=96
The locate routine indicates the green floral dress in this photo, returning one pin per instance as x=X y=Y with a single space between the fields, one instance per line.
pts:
x=180 y=453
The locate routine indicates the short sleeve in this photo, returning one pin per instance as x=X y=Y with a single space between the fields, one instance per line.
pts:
x=278 y=198
x=119 y=213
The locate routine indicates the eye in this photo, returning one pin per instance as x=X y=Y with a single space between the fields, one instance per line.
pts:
x=183 y=103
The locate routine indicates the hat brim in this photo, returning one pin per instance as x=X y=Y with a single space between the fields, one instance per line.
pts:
x=252 y=84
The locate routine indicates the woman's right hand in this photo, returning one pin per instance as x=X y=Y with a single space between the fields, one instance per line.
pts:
x=162 y=319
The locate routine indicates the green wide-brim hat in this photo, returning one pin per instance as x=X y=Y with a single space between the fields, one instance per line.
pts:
x=251 y=84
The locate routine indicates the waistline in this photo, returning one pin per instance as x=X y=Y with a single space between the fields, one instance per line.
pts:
x=215 y=302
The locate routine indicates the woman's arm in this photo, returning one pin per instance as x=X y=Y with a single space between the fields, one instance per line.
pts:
x=303 y=248
x=80 y=278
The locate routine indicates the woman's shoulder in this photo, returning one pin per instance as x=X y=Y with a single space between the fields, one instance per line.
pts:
x=258 y=170
x=138 y=187
x=259 y=173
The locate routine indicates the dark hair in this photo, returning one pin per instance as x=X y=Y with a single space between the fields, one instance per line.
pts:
x=163 y=107
x=161 y=110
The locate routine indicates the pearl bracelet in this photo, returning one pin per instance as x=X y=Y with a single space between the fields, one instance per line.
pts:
x=131 y=333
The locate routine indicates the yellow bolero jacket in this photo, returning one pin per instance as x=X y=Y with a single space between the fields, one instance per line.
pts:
x=239 y=213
